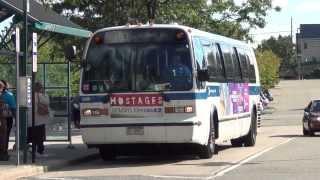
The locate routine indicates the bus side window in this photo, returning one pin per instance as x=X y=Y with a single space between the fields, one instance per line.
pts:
x=215 y=67
x=244 y=64
x=220 y=63
x=227 y=59
x=236 y=65
x=198 y=53
x=211 y=60
x=252 y=72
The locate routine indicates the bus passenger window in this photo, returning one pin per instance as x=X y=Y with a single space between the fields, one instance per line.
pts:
x=244 y=63
x=198 y=53
x=252 y=72
x=236 y=65
x=215 y=68
x=227 y=59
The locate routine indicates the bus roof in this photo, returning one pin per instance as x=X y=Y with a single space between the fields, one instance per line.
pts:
x=189 y=30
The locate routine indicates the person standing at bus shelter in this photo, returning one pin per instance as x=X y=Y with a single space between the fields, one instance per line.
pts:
x=8 y=98
x=37 y=134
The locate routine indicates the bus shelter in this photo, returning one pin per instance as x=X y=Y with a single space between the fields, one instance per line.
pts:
x=55 y=75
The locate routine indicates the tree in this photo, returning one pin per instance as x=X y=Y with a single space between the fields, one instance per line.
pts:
x=268 y=64
x=283 y=48
x=222 y=17
x=217 y=16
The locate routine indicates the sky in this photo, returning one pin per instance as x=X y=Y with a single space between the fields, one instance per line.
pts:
x=301 y=11
x=278 y=23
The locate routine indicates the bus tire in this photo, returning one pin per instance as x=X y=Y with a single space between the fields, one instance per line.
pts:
x=250 y=138
x=107 y=153
x=237 y=142
x=207 y=151
x=305 y=132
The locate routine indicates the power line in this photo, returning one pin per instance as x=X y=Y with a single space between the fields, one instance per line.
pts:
x=272 y=32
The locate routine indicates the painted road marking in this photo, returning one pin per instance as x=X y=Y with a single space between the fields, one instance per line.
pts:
x=225 y=170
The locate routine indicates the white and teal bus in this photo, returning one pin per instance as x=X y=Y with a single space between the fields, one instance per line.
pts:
x=148 y=85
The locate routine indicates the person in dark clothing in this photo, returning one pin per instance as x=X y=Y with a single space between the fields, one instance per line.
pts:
x=37 y=134
x=75 y=111
x=9 y=99
x=178 y=75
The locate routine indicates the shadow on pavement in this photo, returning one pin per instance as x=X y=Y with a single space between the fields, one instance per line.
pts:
x=298 y=109
x=294 y=136
x=95 y=162
x=214 y=164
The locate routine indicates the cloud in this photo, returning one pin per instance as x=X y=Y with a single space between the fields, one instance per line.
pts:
x=280 y=3
x=239 y=2
x=310 y=7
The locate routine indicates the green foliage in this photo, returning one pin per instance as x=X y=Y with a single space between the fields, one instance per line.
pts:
x=268 y=64
x=8 y=70
x=284 y=49
x=222 y=17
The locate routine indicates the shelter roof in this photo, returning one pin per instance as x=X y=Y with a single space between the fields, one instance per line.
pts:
x=42 y=17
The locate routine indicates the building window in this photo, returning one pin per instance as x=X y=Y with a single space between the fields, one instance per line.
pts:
x=305 y=46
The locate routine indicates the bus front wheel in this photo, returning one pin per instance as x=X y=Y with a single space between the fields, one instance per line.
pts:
x=207 y=151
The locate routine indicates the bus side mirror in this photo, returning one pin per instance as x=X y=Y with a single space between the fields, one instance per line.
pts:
x=203 y=75
x=70 y=52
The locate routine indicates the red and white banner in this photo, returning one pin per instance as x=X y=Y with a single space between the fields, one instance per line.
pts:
x=136 y=105
x=136 y=100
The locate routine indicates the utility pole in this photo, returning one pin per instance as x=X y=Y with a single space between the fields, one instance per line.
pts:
x=291 y=32
x=301 y=56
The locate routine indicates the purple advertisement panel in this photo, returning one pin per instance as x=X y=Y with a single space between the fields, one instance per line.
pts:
x=234 y=98
x=239 y=97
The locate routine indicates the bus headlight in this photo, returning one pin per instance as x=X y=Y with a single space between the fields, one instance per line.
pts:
x=179 y=109
x=188 y=109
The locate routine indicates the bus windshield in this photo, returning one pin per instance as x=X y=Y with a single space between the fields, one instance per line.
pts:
x=132 y=65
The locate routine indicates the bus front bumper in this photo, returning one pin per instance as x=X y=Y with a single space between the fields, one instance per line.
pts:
x=182 y=132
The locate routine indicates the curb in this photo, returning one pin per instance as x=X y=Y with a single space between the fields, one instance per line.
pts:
x=22 y=171
x=33 y=170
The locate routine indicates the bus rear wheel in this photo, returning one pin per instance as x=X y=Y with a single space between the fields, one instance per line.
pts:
x=207 y=151
x=107 y=153
x=250 y=138
x=237 y=142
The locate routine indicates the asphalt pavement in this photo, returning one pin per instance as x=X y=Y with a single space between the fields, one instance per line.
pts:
x=281 y=151
x=57 y=155
x=299 y=159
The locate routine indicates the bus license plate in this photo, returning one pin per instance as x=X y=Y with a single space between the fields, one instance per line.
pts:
x=139 y=130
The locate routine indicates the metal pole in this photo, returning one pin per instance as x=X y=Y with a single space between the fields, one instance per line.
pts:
x=301 y=60
x=291 y=31
x=33 y=117
x=34 y=72
x=24 y=73
x=68 y=106
x=17 y=95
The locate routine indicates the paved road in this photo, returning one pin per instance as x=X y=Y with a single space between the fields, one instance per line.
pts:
x=299 y=159
x=291 y=97
x=281 y=151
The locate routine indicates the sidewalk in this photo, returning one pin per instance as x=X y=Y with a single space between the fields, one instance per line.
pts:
x=57 y=155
